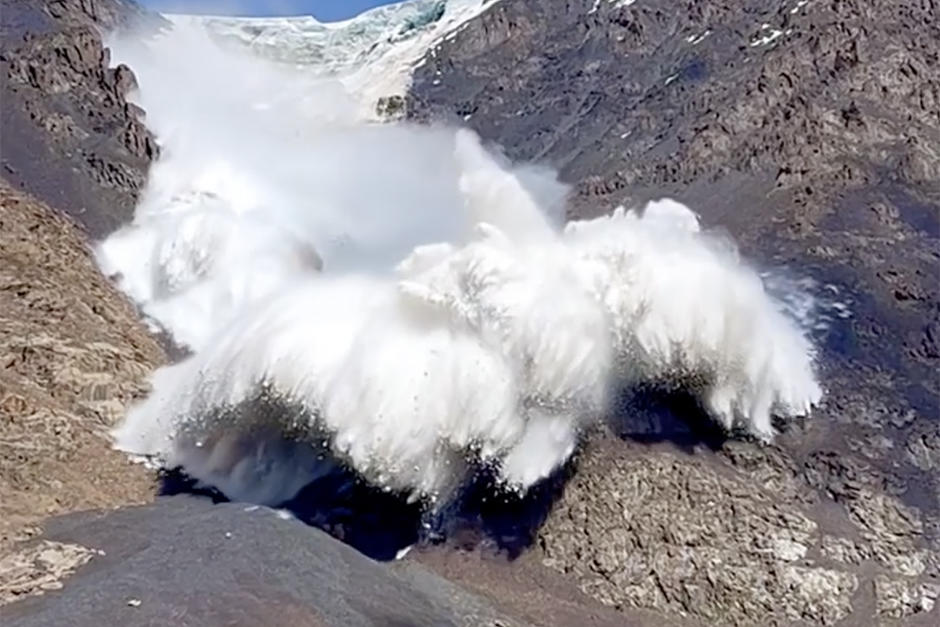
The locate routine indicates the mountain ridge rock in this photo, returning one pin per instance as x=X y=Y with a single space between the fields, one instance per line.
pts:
x=803 y=130
x=70 y=137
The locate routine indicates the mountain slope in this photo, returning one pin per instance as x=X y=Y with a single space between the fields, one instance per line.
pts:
x=809 y=131
x=69 y=137
x=74 y=355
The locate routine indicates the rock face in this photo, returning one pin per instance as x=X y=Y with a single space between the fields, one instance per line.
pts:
x=184 y=561
x=682 y=535
x=804 y=128
x=74 y=354
x=807 y=130
x=69 y=136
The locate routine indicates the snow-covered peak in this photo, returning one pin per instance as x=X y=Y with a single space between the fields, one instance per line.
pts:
x=373 y=54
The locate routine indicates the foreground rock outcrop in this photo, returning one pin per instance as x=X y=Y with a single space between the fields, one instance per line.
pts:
x=686 y=536
x=185 y=561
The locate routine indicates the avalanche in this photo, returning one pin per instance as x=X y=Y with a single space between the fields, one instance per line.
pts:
x=405 y=300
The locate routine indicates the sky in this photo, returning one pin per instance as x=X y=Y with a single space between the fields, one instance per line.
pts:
x=323 y=10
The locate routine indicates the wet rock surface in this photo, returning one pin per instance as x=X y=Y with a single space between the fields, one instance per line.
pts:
x=69 y=136
x=807 y=131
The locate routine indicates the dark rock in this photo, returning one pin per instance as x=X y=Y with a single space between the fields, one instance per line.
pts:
x=124 y=80
x=801 y=129
x=390 y=107
x=184 y=561
x=69 y=136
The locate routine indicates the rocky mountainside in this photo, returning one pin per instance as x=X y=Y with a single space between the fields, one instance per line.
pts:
x=805 y=128
x=74 y=354
x=73 y=350
x=809 y=131
x=69 y=136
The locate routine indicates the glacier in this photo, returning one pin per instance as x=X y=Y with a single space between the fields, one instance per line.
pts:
x=372 y=54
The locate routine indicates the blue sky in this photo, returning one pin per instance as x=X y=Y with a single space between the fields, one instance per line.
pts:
x=323 y=10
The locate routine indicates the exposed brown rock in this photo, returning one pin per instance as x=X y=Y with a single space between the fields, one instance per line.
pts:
x=74 y=354
x=899 y=598
x=678 y=535
x=39 y=567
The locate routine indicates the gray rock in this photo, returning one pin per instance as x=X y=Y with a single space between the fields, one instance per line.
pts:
x=899 y=598
x=803 y=129
x=70 y=138
x=184 y=561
